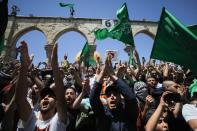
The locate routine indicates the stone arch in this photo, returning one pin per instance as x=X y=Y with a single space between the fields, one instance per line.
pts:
x=10 y=46
x=60 y=33
x=147 y=32
x=148 y=38
x=54 y=27
x=70 y=41
x=20 y=33
x=79 y=29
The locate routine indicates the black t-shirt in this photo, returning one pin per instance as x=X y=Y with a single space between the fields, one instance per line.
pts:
x=72 y=115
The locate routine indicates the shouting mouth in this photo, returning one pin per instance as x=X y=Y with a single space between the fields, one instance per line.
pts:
x=45 y=104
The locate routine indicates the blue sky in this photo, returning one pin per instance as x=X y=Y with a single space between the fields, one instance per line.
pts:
x=73 y=42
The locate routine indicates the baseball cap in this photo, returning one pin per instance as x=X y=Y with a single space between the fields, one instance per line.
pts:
x=110 y=88
x=47 y=91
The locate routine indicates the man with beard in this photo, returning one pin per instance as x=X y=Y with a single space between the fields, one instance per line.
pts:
x=154 y=91
x=116 y=116
x=53 y=111
x=70 y=97
x=74 y=103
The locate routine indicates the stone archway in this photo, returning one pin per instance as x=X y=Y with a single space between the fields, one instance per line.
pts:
x=150 y=34
x=53 y=27
x=144 y=43
x=48 y=47
x=147 y=27
x=19 y=35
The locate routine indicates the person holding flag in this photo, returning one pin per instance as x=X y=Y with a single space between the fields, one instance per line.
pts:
x=71 y=6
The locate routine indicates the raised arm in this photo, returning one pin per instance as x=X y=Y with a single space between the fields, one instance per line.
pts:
x=76 y=75
x=125 y=90
x=152 y=122
x=36 y=79
x=59 y=87
x=22 y=84
x=136 y=56
x=95 y=101
x=165 y=71
x=149 y=101
x=129 y=97
x=85 y=90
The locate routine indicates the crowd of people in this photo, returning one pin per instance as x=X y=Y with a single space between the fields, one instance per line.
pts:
x=103 y=97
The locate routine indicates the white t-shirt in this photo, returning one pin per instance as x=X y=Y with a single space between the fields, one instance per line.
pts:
x=189 y=112
x=35 y=108
x=53 y=124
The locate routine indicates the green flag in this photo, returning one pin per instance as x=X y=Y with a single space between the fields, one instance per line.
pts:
x=131 y=56
x=85 y=54
x=101 y=34
x=175 y=43
x=122 y=13
x=122 y=32
x=92 y=62
x=66 y=5
x=193 y=29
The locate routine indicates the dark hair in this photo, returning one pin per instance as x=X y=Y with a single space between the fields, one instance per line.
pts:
x=189 y=79
x=168 y=98
x=142 y=77
x=151 y=76
x=43 y=73
x=194 y=97
x=48 y=82
x=111 y=88
x=72 y=89
x=45 y=91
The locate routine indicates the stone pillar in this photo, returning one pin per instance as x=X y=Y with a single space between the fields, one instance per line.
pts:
x=92 y=49
x=91 y=40
x=92 y=46
x=48 y=48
